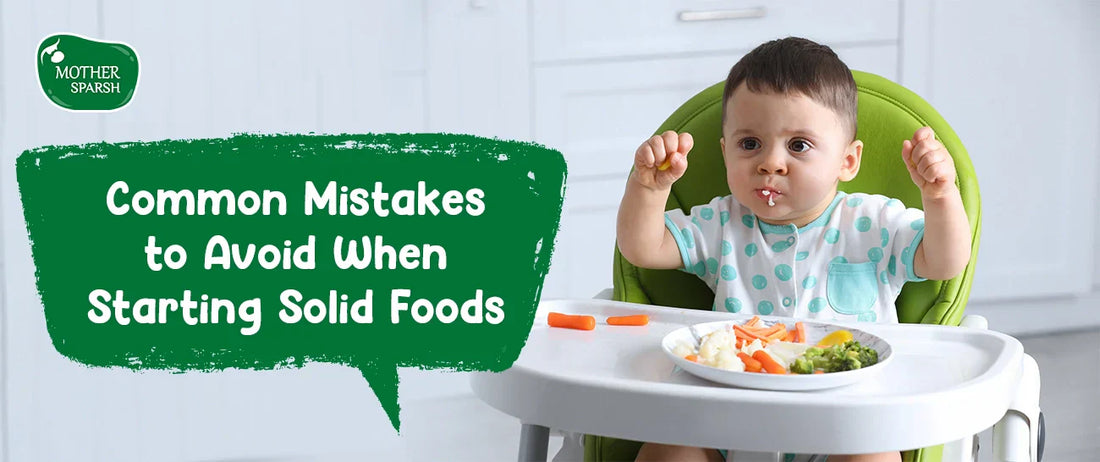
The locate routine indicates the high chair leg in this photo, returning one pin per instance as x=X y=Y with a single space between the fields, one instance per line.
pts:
x=533 y=440
x=1016 y=436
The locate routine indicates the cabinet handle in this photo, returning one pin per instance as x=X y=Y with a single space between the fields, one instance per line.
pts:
x=720 y=15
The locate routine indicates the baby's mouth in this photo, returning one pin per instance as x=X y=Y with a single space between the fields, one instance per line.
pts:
x=768 y=194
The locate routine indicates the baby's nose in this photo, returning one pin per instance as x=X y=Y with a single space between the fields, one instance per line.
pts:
x=772 y=164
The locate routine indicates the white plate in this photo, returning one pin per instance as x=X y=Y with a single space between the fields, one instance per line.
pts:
x=815 y=331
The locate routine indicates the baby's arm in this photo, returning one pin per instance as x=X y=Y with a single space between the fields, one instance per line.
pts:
x=945 y=249
x=642 y=236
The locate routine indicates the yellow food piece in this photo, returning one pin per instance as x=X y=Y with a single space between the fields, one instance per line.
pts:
x=666 y=164
x=835 y=338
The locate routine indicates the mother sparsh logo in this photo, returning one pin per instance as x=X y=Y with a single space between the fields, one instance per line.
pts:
x=82 y=74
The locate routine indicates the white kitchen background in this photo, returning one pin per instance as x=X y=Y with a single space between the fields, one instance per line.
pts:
x=1018 y=80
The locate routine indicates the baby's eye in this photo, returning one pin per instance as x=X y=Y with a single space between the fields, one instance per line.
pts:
x=750 y=144
x=799 y=146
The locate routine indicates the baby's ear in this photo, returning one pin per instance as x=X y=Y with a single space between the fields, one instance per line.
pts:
x=722 y=142
x=850 y=163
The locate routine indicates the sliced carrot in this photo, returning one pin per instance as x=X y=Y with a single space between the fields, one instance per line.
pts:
x=765 y=331
x=571 y=321
x=746 y=334
x=778 y=335
x=768 y=362
x=692 y=358
x=792 y=336
x=632 y=320
x=800 y=329
x=751 y=365
x=752 y=322
x=741 y=336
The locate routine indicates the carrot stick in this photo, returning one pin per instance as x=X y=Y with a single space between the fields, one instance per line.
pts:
x=570 y=321
x=792 y=336
x=800 y=329
x=632 y=320
x=778 y=335
x=764 y=331
x=753 y=322
x=768 y=362
x=745 y=333
x=751 y=365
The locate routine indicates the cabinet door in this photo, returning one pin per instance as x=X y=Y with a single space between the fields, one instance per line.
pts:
x=1018 y=83
x=211 y=69
x=597 y=115
x=564 y=30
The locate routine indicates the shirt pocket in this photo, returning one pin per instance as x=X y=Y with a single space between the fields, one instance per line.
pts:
x=852 y=288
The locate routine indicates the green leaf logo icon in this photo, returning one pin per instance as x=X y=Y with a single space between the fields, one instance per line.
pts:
x=80 y=74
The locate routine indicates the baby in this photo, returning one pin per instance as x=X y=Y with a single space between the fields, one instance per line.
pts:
x=785 y=242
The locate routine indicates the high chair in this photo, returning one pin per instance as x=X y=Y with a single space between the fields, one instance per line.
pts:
x=888 y=114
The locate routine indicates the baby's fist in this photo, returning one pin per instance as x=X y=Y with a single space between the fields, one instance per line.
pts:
x=662 y=159
x=930 y=165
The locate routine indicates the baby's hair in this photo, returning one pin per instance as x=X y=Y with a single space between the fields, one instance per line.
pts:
x=797 y=65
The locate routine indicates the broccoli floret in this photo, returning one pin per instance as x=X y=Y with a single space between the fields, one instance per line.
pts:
x=844 y=357
x=802 y=366
x=868 y=356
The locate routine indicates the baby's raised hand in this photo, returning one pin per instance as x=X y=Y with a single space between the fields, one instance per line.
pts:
x=930 y=165
x=662 y=159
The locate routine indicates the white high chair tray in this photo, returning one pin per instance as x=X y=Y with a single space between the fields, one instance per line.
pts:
x=943 y=383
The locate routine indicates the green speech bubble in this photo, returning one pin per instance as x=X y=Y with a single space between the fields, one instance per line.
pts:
x=80 y=74
x=460 y=231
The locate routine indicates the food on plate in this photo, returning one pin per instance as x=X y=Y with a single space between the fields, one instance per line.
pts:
x=769 y=363
x=752 y=347
x=843 y=357
x=570 y=321
x=836 y=337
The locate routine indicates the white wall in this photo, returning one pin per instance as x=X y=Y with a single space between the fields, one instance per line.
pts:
x=431 y=65
x=1018 y=83
x=210 y=69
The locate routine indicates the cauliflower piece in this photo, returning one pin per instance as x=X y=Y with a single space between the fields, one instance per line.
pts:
x=786 y=352
x=752 y=347
x=727 y=359
x=683 y=349
x=713 y=343
x=718 y=350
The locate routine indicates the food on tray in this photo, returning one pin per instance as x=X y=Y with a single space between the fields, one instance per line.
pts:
x=570 y=321
x=752 y=347
x=631 y=320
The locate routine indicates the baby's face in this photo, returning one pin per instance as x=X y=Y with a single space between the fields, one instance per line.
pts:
x=787 y=149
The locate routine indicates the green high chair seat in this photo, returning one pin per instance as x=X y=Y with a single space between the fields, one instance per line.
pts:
x=888 y=114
